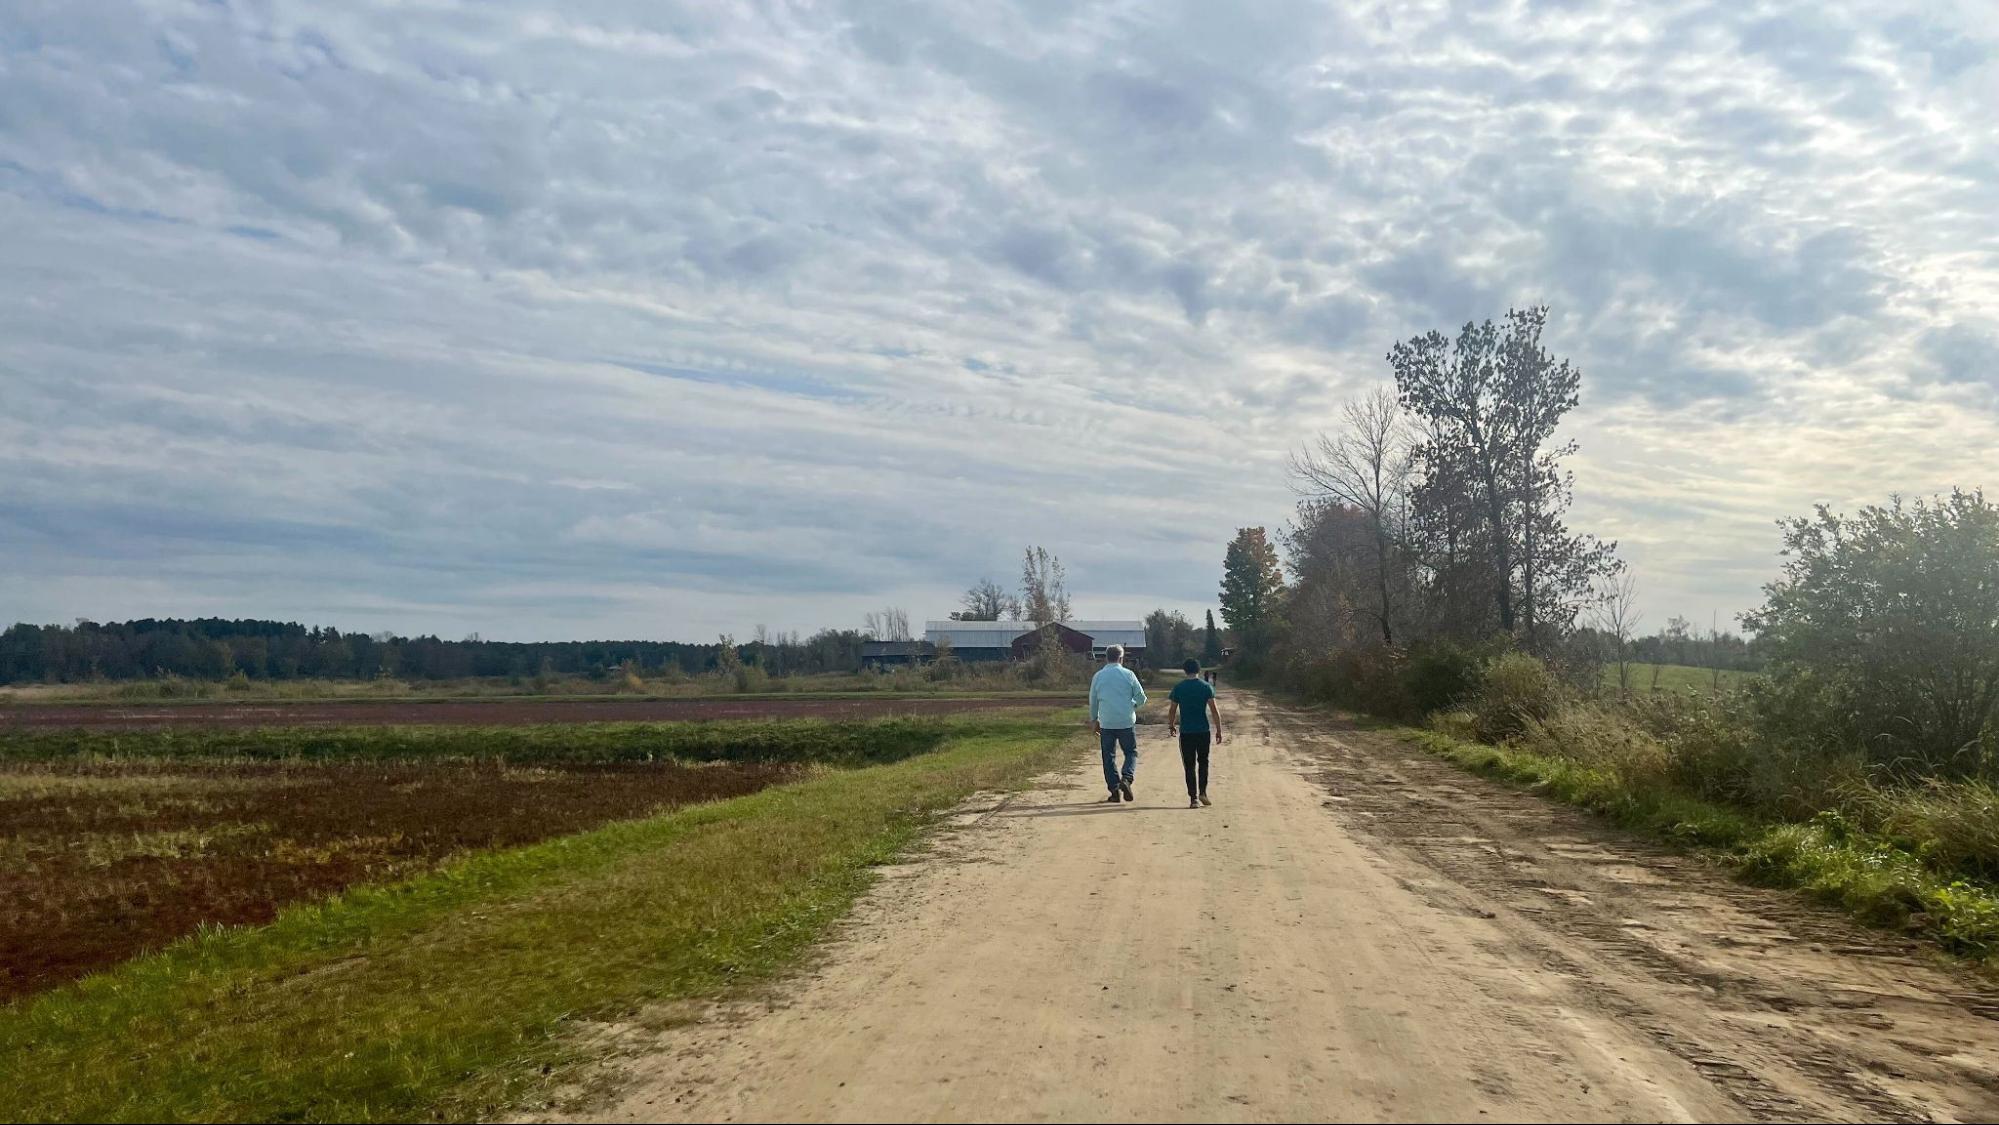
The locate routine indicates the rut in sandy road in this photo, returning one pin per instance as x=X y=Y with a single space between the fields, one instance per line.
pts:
x=1355 y=932
x=1781 y=1002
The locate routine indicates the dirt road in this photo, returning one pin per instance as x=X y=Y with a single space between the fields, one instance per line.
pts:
x=1355 y=932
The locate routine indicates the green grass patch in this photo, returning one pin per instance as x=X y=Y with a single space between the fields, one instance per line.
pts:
x=830 y=741
x=447 y=995
x=1876 y=880
x=1879 y=882
x=1674 y=677
x=1660 y=812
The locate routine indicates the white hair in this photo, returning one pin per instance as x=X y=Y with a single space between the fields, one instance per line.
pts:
x=1114 y=654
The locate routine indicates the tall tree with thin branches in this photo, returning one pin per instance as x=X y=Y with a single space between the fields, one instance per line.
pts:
x=1043 y=595
x=890 y=624
x=1366 y=466
x=1617 y=618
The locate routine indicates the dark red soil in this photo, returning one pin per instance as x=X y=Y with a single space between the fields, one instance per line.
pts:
x=100 y=860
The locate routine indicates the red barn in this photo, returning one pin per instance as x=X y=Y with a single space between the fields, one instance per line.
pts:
x=1030 y=642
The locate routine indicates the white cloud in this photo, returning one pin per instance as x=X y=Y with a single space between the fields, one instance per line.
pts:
x=601 y=317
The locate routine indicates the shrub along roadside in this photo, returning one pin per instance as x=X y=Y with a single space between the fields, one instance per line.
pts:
x=1879 y=881
x=833 y=742
x=447 y=995
x=1736 y=770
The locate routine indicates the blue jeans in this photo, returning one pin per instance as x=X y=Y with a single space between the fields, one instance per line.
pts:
x=1112 y=739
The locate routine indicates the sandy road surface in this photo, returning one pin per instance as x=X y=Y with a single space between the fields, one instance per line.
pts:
x=1355 y=932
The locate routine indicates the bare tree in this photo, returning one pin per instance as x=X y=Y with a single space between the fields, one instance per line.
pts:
x=987 y=600
x=890 y=624
x=1367 y=467
x=1617 y=617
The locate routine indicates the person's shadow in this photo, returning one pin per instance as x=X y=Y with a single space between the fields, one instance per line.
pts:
x=1090 y=809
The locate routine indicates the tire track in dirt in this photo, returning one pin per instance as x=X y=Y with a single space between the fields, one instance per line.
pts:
x=1794 y=1010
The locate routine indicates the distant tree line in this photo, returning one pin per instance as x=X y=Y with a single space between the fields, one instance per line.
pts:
x=217 y=648
x=1171 y=639
x=1680 y=642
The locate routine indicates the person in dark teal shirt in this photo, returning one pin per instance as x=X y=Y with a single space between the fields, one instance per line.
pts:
x=1188 y=715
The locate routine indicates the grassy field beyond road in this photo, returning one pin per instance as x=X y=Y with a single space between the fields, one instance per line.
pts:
x=449 y=995
x=1674 y=677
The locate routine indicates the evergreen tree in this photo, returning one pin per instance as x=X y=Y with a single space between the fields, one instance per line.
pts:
x=1252 y=585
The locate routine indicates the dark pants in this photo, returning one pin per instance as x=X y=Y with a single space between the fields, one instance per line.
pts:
x=1194 y=753
x=1112 y=739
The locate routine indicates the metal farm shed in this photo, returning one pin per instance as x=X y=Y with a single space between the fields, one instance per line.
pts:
x=976 y=641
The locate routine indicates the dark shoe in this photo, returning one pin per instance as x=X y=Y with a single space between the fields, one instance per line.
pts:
x=1124 y=787
x=1112 y=799
x=1204 y=799
x=1193 y=802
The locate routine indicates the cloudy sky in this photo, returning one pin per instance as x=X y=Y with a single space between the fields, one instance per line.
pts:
x=649 y=319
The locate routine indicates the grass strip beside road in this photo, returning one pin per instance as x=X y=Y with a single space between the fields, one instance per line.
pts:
x=1873 y=878
x=447 y=996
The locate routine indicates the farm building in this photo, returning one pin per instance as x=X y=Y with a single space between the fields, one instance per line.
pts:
x=889 y=654
x=1068 y=639
x=979 y=641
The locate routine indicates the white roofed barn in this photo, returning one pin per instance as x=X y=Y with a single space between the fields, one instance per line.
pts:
x=979 y=641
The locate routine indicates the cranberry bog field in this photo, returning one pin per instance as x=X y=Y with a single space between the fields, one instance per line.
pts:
x=430 y=922
x=505 y=712
x=101 y=860
x=114 y=843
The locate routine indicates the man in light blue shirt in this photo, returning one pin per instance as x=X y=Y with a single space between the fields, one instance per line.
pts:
x=1115 y=697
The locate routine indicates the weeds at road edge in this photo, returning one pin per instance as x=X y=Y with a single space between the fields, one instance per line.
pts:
x=1828 y=859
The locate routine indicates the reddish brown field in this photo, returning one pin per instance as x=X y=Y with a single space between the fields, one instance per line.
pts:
x=499 y=712
x=101 y=860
